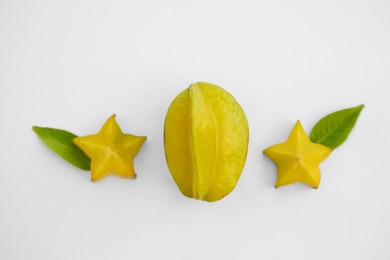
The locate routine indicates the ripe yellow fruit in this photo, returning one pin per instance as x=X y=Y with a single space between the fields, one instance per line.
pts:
x=206 y=141
x=298 y=159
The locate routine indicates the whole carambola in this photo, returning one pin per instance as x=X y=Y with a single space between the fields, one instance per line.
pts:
x=206 y=141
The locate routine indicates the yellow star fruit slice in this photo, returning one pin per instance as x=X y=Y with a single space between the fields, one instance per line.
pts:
x=298 y=159
x=111 y=151
x=206 y=141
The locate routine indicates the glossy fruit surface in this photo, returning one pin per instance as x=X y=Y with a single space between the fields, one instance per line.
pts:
x=206 y=141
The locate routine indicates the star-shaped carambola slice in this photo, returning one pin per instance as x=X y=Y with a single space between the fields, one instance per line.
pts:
x=298 y=159
x=111 y=151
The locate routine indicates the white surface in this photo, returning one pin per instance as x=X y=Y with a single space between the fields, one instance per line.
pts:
x=71 y=64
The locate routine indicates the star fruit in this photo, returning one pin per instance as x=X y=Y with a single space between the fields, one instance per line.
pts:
x=206 y=141
x=111 y=151
x=298 y=159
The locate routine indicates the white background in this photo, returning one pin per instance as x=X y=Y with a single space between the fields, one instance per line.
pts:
x=71 y=64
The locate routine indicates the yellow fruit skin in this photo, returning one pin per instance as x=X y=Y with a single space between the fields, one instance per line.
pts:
x=111 y=151
x=298 y=159
x=206 y=141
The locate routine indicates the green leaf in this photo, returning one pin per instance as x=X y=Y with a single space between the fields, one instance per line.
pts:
x=333 y=129
x=61 y=142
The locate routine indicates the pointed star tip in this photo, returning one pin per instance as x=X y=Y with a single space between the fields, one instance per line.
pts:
x=111 y=120
x=298 y=123
x=94 y=180
x=96 y=177
x=75 y=140
x=314 y=187
x=278 y=185
x=267 y=150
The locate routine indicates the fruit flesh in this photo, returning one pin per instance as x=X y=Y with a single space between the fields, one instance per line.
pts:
x=206 y=140
x=298 y=159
